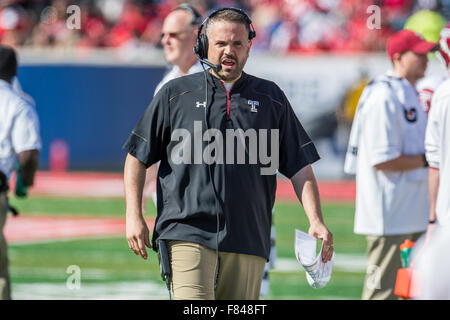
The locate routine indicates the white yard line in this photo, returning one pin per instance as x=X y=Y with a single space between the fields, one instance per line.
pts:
x=68 y=239
x=139 y=290
x=342 y=262
x=130 y=290
x=61 y=273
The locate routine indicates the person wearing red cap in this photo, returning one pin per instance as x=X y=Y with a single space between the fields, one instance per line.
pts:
x=408 y=52
x=387 y=153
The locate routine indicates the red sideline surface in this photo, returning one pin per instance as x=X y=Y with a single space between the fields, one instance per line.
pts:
x=88 y=184
x=27 y=229
x=332 y=191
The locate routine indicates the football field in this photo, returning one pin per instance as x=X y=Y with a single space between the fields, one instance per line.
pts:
x=75 y=248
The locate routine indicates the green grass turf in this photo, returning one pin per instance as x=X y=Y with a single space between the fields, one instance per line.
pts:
x=102 y=259
x=100 y=207
x=110 y=259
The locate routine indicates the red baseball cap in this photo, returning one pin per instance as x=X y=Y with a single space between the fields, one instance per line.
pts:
x=407 y=40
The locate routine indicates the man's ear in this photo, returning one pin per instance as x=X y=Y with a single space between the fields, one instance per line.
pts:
x=396 y=58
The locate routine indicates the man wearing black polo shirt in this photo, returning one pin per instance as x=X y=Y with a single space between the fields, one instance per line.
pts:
x=221 y=136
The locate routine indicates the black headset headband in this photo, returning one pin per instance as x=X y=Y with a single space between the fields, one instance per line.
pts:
x=252 y=32
x=196 y=17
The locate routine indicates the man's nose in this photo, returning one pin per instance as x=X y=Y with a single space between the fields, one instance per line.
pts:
x=164 y=39
x=228 y=49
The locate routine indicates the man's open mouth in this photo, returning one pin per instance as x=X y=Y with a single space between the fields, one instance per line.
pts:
x=228 y=62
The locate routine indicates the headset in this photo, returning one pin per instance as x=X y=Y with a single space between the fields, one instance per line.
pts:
x=196 y=17
x=201 y=49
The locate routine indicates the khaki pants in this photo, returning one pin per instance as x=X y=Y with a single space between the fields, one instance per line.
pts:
x=238 y=276
x=5 y=293
x=383 y=262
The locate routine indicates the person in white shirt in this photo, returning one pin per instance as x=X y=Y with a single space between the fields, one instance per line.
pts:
x=19 y=140
x=178 y=38
x=437 y=142
x=432 y=262
x=431 y=265
x=387 y=154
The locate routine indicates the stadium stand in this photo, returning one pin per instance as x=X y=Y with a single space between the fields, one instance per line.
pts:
x=286 y=26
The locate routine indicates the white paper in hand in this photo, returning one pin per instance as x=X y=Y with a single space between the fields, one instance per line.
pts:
x=317 y=273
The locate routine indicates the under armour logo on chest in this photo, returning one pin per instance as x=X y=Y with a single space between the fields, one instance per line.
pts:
x=253 y=105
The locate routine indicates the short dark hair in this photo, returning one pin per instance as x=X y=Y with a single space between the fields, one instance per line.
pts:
x=227 y=15
x=8 y=63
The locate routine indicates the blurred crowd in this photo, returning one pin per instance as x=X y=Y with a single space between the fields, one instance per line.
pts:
x=282 y=26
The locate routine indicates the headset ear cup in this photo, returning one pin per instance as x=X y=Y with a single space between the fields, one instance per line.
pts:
x=197 y=50
x=203 y=46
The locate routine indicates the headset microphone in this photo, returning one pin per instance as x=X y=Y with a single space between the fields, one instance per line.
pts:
x=215 y=67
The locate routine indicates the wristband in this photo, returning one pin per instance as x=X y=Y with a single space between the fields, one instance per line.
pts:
x=432 y=221
x=425 y=161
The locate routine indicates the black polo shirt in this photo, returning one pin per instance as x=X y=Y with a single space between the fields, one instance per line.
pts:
x=247 y=127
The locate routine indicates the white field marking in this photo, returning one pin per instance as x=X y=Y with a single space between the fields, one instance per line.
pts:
x=34 y=228
x=45 y=229
x=125 y=290
x=342 y=262
x=75 y=186
x=60 y=273
x=26 y=243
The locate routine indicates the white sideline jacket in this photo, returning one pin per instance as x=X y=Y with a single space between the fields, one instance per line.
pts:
x=19 y=127
x=437 y=143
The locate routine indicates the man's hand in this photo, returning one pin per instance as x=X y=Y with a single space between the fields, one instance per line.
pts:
x=138 y=235
x=320 y=231
x=28 y=161
x=305 y=186
x=137 y=230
